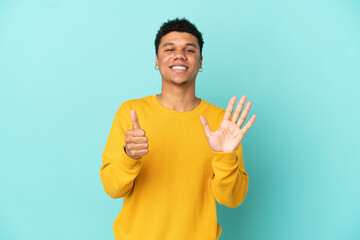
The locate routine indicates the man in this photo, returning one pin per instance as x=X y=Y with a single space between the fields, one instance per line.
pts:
x=162 y=156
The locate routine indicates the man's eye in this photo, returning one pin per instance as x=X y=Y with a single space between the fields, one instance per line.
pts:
x=169 y=50
x=189 y=50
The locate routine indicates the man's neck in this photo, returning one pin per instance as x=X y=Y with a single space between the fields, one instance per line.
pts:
x=178 y=100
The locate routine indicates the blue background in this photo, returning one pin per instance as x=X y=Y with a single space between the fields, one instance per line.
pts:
x=66 y=66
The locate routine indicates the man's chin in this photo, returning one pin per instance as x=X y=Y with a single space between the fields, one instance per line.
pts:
x=180 y=81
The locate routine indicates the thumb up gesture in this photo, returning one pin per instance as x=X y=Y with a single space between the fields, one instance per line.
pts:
x=135 y=139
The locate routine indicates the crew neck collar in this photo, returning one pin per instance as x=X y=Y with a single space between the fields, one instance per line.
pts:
x=195 y=112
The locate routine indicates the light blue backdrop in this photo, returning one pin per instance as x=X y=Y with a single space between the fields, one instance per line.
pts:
x=66 y=66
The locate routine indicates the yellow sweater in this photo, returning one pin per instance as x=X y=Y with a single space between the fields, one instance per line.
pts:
x=170 y=193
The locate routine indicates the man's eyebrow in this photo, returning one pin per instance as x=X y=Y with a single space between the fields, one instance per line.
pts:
x=191 y=44
x=188 y=44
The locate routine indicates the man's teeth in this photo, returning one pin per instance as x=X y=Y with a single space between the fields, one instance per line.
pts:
x=178 y=67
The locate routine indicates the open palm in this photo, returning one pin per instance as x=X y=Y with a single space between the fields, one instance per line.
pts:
x=228 y=136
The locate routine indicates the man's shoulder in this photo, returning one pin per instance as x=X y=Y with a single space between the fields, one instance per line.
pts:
x=214 y=109
x=136 y=101
x=129 y=104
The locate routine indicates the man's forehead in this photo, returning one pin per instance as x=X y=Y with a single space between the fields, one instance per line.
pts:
x=186 y=44
x=181 y=38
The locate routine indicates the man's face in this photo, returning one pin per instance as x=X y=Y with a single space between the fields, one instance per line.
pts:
x=179 y=57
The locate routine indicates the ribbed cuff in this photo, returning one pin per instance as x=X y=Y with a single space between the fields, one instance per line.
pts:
x=224 y=159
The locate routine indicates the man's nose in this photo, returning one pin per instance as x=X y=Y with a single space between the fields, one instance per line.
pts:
x=179 y=54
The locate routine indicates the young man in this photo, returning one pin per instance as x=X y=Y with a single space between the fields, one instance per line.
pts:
x=162 y=156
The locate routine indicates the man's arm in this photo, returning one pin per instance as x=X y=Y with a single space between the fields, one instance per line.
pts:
x=230 y=181
x=118 y=170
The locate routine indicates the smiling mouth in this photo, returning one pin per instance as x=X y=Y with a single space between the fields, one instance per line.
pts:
x=177 y=68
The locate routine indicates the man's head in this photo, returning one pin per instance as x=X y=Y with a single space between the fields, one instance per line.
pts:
x=178 y=52
x=178 y=25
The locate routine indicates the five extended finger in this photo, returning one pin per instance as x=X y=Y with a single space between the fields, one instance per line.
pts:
x=248 y=124
x=238 y=109
x=244 y=114
x=229 y=108
x=205 y=125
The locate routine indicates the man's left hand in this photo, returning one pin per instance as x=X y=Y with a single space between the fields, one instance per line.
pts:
x=229 y=135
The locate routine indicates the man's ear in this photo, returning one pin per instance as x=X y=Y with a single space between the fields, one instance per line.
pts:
x=156 y=60
x=201 y=59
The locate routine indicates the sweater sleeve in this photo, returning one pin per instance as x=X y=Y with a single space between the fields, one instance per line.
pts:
x=118 y=170
x=230 y=181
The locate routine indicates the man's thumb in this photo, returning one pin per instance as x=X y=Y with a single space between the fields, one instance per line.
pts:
x=134 y=119
x=205 y=126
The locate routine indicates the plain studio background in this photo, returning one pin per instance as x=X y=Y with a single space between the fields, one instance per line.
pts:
x=66 y=66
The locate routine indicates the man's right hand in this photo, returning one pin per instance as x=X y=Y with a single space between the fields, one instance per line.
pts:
x=135 y=139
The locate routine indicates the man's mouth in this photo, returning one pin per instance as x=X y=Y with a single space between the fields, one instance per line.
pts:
x=179 y=68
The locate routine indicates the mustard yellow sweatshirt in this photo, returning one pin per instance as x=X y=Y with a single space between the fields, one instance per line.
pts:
x=170 y=193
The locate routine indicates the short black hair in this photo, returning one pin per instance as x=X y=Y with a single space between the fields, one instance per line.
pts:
x=178 y=25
